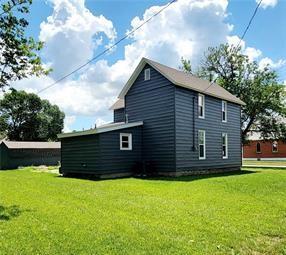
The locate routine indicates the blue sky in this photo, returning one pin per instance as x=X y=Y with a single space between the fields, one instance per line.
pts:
x=76 y=30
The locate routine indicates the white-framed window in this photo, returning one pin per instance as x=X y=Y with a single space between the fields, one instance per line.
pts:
x=147 y=74
x=258 y=148
x=275 y=146
x=202 y=144
x=201 y=106
x=125 y=142
x=224 y=111
x=224 y=146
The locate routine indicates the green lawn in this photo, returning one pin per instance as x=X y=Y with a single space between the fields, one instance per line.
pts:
x=41 y=213
x=265 y=162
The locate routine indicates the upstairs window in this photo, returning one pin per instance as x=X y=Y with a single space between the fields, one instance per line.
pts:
x=258 y=148
x=125 y=142
x=275 y=146
x=201 y=106
x=147 y=74
x=224 y=146
x=224 y=111
x=202 y=144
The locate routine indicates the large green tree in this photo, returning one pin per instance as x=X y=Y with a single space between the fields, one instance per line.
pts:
x=18 y=53
x=25 y=117
x=259 y=88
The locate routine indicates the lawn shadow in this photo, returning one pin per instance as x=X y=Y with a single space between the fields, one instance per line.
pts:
x=190 y=178
x=9 y=212
x=186 y=178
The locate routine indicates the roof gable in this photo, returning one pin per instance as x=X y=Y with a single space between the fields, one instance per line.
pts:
x=182 y=79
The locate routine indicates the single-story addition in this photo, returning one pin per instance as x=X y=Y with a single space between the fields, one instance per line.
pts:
x=166 y=122
x=14 y=154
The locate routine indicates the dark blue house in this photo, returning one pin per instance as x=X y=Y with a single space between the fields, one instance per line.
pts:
x=166 y=122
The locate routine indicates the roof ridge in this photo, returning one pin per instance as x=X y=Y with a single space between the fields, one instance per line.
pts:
x=182 y=79
x=178 y=70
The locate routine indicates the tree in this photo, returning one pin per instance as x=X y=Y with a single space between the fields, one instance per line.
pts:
x=259 y=88
x=18 y=53
x=25 y=117
x=186 y=65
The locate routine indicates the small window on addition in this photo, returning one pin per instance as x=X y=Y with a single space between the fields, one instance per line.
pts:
x=125 y=142
x=147 y=74
x=275 y=146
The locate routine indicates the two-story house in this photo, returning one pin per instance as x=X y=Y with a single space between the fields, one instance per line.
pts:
x=166 y=122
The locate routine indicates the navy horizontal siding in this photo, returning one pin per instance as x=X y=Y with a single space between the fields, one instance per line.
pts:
x=152 y=101
x=119 y=115
x=100 y=154
x=186 y=157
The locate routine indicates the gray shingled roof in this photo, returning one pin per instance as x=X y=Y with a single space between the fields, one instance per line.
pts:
x=32 y=145
x=118 y=105
x=182 y=79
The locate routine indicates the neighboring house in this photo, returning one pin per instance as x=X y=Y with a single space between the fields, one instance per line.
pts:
x=257 y=149
x=166 y=122
x=15 y=154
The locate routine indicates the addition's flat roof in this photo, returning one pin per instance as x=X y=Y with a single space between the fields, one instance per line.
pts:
x=102 y=129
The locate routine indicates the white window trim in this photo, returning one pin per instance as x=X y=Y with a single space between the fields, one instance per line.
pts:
x=222 y=102
x=203 y=98
x=146 y=77
x=204 y=144
x=226 y=145
x=129 y=141
x=272 y=148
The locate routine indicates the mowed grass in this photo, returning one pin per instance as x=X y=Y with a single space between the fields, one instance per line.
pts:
x=41 y=213
x=265 y=162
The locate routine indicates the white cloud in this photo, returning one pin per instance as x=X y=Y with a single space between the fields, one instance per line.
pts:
x=252 y=53
x=183 y=32
x=69 y=120
x=235 y=40
x=186 y=29
x=71 y=34
x=100 y=122
x=269 y=62
x=267 y=3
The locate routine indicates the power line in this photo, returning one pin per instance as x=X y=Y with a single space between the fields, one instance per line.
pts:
x=108 y=49
x=243 y=35
x=249 y=23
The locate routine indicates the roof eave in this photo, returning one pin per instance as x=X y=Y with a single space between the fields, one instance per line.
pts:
x=100 y=130
x=238 y=101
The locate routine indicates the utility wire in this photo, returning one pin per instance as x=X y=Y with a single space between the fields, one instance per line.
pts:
x=249 y=23
x=108 y=49
x=243 y=35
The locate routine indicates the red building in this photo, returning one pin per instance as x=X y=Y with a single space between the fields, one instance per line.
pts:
x=258 y=149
